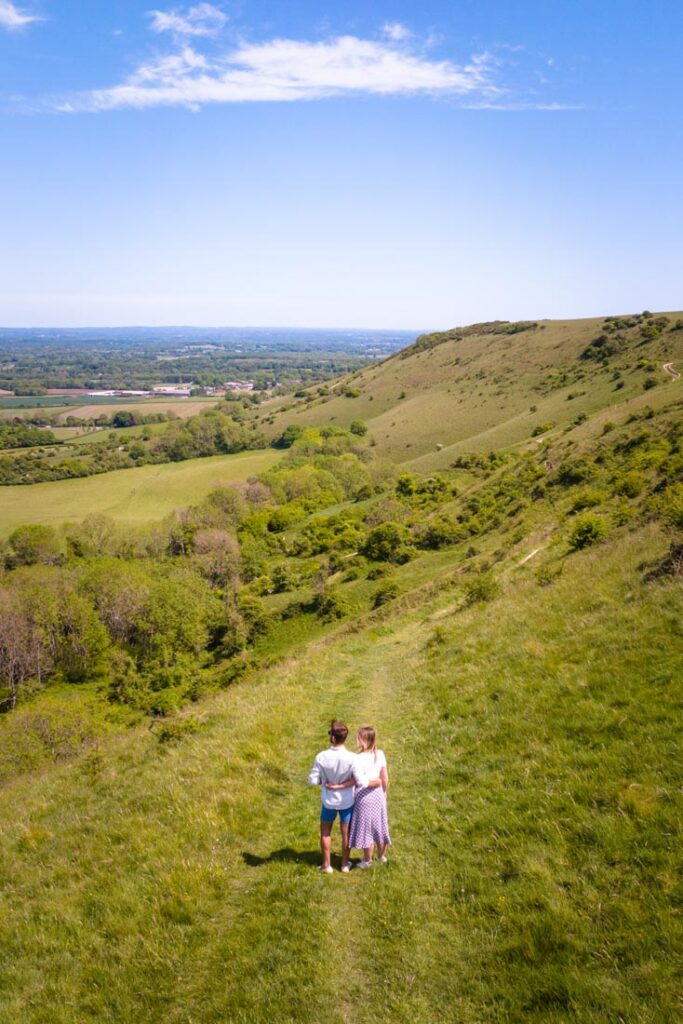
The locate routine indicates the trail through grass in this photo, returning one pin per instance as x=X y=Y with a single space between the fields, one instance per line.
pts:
x=533 y=808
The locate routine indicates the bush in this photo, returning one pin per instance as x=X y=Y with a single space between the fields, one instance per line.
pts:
x=358 y=428
x=387 y=543
x=330 y=606
x=386 y=591
x=588 y=529
x=630 y=485
x=586 y=499
x=481 y=589
x=649 y=382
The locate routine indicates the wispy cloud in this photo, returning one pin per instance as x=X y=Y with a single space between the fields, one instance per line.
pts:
x=12 y=16
x=200 y=20
x=395 y=31
x=285 y=70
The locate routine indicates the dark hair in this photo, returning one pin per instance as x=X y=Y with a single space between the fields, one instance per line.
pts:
x=338 y=731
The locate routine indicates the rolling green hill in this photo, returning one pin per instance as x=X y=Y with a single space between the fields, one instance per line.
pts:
x=505 y=609
x=534 y=807
x=491 y=385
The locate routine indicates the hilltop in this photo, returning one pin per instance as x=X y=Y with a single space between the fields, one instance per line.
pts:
x=492 y=385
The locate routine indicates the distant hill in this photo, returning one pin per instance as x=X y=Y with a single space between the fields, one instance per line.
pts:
x=493 y=385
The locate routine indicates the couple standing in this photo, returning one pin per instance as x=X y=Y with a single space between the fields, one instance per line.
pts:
x=355 y=787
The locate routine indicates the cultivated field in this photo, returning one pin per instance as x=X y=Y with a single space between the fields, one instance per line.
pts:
x=182 y=407
x=130 y=495
x=25 y=408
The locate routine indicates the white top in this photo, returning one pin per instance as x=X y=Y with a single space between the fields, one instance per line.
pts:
x=336 y=764
x=371 y=764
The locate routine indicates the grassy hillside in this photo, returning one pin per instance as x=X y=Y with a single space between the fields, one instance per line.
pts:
x=534 y=808
x=130 y=495
x=512 y=626
x=492 y=385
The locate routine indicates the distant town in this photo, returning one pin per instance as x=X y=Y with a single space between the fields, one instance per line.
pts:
x=179 y=390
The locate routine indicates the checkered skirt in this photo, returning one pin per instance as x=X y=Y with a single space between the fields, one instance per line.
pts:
x=369 y=823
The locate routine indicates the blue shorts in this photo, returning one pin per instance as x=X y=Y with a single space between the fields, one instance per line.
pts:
x=328 y=814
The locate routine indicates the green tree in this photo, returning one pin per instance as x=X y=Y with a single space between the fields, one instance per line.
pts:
x=34 y=544
x=387 y=543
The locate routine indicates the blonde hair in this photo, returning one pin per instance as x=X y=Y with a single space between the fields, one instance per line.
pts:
x=367 y=740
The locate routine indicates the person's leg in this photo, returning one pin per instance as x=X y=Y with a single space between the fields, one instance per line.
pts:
x=367 y=854
x=325 y=842
x=382 y=851
x=345 y=842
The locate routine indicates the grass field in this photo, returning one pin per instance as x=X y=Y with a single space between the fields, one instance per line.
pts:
x=182 y=407
x=28 y=407
x=534 y=809
x=130 y=495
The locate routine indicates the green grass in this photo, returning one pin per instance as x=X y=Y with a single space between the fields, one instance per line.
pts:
x=133 y=496
x=534 y=809
x=477 y=393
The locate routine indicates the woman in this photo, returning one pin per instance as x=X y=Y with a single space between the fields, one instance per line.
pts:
x=369 y=823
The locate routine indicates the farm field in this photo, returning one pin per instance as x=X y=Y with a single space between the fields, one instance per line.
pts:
x=130 y=495
x=26 y=408
x=182 y=407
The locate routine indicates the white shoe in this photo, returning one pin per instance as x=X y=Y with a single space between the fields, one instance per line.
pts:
x=326 y=871
x=384 y=860
x=365 y=864
x=346 y=869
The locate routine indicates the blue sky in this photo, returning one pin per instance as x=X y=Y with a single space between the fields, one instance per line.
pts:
x=391 y=164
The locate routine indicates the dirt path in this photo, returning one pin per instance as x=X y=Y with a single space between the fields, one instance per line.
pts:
x=669 y=368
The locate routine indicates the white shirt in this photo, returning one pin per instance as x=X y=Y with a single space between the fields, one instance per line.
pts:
x=336 y=764
x=371 y=763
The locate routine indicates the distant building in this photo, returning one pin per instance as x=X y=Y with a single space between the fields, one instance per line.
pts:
x=119 y=393
x=172 y=392
x=239 y=385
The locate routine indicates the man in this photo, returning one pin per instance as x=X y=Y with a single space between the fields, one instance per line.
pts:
x=336 y=765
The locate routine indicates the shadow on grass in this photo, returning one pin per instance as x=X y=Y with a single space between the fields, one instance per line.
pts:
x=283 y=856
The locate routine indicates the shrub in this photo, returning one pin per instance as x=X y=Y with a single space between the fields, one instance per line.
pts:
x=542 y=428
x=330 y=606
x=608 y=427
x=387 y=543
x=386 y=591
x=481 y=589
x=649 y=382
x=630 y=485
x=171 y=732
x=358 y=428
x=588 y=529
x=586 y=499
x=574 y=472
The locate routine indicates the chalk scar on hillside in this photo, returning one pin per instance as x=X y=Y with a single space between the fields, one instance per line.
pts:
x=669 y=368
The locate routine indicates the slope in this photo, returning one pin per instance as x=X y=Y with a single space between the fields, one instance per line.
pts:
x=492 y=385
x=534 y=812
